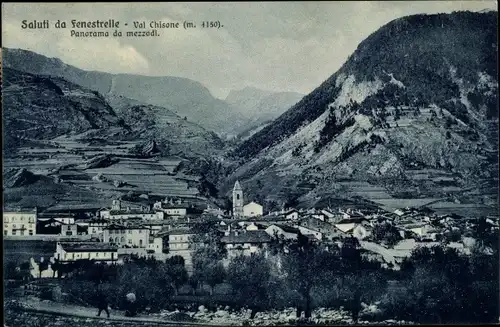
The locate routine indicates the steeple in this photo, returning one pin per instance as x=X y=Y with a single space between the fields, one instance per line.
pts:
x=237 y=186
x=237 y=200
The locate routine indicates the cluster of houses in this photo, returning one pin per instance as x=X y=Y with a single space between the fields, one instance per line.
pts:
x=165 y=229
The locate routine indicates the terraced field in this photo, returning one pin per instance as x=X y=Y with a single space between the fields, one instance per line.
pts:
x=64 y=160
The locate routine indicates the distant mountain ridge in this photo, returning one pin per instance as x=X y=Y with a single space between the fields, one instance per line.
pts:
x=184 y=96
x=259 y=107
x=38 y=107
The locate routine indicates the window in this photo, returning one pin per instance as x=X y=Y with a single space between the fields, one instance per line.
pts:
x=14 y=226
x=97 y=254
x=237 y=196
x=129 y=241
x=5 y=233
x=130 y=231
x=123 y=239
x=13 y=232
x=140 y=243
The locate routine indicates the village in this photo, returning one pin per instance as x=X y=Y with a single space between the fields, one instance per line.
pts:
x=164 y=230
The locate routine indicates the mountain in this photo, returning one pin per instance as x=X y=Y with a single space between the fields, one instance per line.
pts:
x=259 y=107
x=246 y=98
x=185 y=97
x=410 y=118
x=40 y=107
x=171 y=133
x=66 y=145
x=44 y=107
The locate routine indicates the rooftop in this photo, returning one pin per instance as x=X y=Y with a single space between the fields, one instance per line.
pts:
x=87 y=246
x=352 y=221
x=288 y=229
x=237 y=186
x=180 y=231
x=130 y=212
x=258 y=236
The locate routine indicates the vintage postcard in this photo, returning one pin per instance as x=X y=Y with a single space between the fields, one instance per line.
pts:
x=250 y=163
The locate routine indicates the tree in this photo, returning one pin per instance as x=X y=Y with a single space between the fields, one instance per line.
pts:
x=193 y=281
x=302 y=267
x=249 y=277
x=386 y=233
x=42 y=266
x=175 y=273
x=213 y=274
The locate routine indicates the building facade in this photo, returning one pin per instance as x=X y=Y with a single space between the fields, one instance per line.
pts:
x=71 y=251
x=252 y=209
x=19 y=223
x=245 y=242
x=127 y=236
x=180 y=243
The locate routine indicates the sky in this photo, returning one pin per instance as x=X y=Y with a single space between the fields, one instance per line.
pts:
x=275 y=46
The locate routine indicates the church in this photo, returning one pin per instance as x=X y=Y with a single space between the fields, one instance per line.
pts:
x=240 y=210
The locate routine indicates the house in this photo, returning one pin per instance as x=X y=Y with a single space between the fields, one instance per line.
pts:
x=214 y=211
x=96 y=251
x=96 y=227
x=309 y=232
x=171 y=208
x=179 y=242
x=285 y=231
x=245 y=242
x=320 y=229
x=155 y=244
x=399 y=212
x=131 y=235
x=256 y=226
x=19 y=223
x=69 y=229
x=252 y=209
x=45 y=273
x=324 y=215
x=155 y=226
x=420 y=229
x=348 y=225
x=292 y=214
x=65 y=220
x=62 y=217
x=127 y=214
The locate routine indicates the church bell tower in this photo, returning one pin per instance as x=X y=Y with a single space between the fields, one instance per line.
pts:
x=237 y=200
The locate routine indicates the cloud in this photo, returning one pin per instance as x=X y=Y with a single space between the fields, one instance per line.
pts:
x=278 y=46
x=101 y=54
